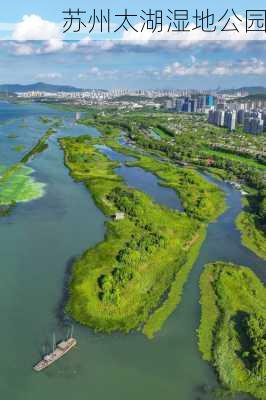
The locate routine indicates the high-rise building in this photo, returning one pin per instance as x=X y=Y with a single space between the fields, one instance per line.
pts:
x=220 y=118
x=194 y=105
x=230 y=120
x=211 y=117
x=264 y=119
x=254 y=125
x=169 y=104
x=209 y=101
x=241 y=117
x=187 y=105
x=180 y=105
x=216 y=117
x=221 y=106
x=202 y=102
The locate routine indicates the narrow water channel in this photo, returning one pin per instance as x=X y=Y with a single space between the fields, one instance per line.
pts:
x=37 y=245
x=143 y=180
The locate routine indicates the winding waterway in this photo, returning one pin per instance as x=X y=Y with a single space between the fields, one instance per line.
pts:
x=143 y=180
x=38 y=243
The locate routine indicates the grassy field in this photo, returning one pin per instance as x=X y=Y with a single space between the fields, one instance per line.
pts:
x=118 y=284
x=233 y=327
x=157 y=319
x=162 y=134
x=249 y=162
x=105 y=128
x=252 y=237
x=40 y=146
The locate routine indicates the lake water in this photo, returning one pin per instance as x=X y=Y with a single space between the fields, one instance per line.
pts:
x=143 y=180
x=38 y=244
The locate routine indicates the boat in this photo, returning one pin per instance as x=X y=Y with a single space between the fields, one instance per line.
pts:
x=59 y=351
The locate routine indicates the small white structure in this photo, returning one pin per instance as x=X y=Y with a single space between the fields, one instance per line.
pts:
x=118 y=216
x=236 y=185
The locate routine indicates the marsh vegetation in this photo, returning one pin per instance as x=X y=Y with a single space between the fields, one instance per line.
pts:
x=233 y=327
x=145 y=258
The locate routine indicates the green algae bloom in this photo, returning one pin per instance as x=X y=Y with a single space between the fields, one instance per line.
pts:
x=19 y=187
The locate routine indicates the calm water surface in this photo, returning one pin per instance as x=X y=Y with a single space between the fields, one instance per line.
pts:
x=143 y=180
x=38 y=243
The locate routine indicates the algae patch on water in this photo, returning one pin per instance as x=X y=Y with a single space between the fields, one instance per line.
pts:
x=17 y=185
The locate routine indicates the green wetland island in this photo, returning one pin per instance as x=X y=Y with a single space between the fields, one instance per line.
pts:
x=232 y=327
x=131 y=227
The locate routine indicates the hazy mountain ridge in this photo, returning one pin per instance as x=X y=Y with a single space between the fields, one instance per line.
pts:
x=47 y=87
x=40 y=86
x=251 y=90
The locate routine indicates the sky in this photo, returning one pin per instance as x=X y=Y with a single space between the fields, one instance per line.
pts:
x=14 y=10
x=159 y=64
x=34 y=48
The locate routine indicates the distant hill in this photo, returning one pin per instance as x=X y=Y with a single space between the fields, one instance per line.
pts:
x=250 y=90
x=3 y=95
x=254 y=97
x=40 y=86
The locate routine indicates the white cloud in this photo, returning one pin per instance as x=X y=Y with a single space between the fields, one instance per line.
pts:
x=22 y=49
x=82 y=76
x=52 y=46
x=252 y=66
x=95 y=70
x=32 y=47
x=97 y=73
x=33 y=27
x=230 y=39
x=49 y=75
x=106 y=44
x=85 y=41
x=179 y=69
